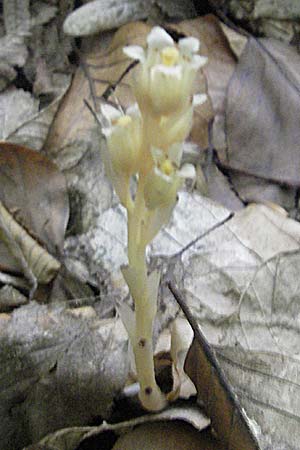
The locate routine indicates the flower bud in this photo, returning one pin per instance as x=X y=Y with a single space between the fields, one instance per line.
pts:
x=124 y=144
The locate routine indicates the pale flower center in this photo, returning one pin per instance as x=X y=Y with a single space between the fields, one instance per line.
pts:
x=167 y=167
x=169 y=56
x=123 y=121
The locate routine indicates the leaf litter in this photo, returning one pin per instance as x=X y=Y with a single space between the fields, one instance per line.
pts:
x=250 y=260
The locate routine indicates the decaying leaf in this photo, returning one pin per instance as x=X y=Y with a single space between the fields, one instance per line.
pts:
x=34 y=190
x=16 y=17
x=16 y=107
x=42 y=13
x=262 y=126
x=20 y=252
x=11 y=298
x=69 y=439
x=21 y=120
x=34 y=212
x=221 y=405
x=218 y=186
x=105 y=66
x=218 y=70
x=252 y=262
x=166 y=436
x=58 y=368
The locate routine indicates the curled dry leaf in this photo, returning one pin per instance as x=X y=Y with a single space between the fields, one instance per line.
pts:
x=20 y=251
x=70 y=438
x=34 y=191
x=10 y=298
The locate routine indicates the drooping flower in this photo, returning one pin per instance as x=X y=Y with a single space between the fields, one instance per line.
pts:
x=165 y=79
x=163 y=182
x=123 y=132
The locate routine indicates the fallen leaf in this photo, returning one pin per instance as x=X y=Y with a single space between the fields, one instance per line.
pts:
x=262 y=126
x=237 y=41
x=70 y=438
x=21 y=253
x=240 y=285
x=11 y=298
x=228 y=419
x=219 y=187
x=290 y=9
x=105 y=67
x=256 y=190
x=21 y=120
x=58 y=369
x=166 y=436
x=16 y=107
x=35 y=191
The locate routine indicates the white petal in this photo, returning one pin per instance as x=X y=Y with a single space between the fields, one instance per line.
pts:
x=158 y=38
x=157 y=155
x=109 y=112
x=135 y=52
x=189 y=45
x=175 y=153
x=133 y=110
x=173 y=71
x=187 y=171
x=198 y=99
x=198 y=61
x=106 y=131
x=162 y=175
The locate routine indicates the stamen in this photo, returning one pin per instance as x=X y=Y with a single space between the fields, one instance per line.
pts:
x=123 y=121
x=167 y=167
x=169 y=56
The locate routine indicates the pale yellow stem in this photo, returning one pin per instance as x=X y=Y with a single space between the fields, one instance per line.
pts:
x=150 y=395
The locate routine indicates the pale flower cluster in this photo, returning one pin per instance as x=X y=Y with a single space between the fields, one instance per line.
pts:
x=144 y=144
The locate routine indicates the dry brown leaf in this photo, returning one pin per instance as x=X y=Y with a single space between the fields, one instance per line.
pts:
x=219 y=68
x=16 y=108
x=167 y=436
x=262 y=124
x=34 y=190
x=253 y=261
x=221 y=405
x=237 y=41
x=70 y=438
x=57 y=369
x=11 y=298
x=20 y=252
x=105 y=67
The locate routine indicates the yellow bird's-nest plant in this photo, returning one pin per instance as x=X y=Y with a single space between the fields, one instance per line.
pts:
x=145 y=142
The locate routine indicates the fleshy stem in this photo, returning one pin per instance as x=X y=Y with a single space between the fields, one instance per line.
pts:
x=150 y=394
